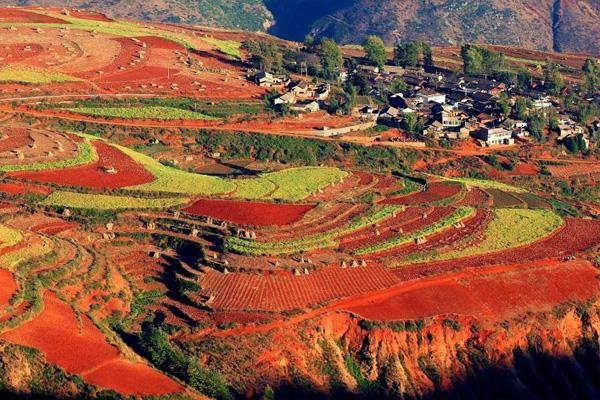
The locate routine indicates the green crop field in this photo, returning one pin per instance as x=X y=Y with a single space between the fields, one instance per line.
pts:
x=253 y=188
x=295 y=184
x=510 y=228
x=9 y=236
x=459 y=215
x=33 y=77
x=488 y=184
x=314 y=242
x=229 y=47
x=108 y=202
x=86 y=154
x=142 y=112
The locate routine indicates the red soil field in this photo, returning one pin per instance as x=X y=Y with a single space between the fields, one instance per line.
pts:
x=387 y=229
x=411 y=226
x=90 y=16
x=240 y=291
x=495 y=295
x=20 y=188
x=250 y=213
x=16 y=52
x=83 y=350
x=334 y=217
x=142 y=74
x=575 y=236
x=130 y=378
x=8 y=287
x=439 y=242
x=155 y=42
x=15 y=138
x=129 y=173
x=436 y=192
x=13 y=15
x=567 y=171
x=476 y=198
x=54 y=227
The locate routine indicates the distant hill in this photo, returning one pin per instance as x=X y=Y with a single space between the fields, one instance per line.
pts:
x=538 y=24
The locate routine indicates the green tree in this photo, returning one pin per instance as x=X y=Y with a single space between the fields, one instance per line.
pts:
x=342 y=100
x=553 y=79
x=264 y=55
x=472 y=60
x=504 y=104
x=427 y=55
x=375 y=51
x=521 y=108
x=398 y=85
x=592 y=76
x=331 y=58
x=410 y=122
x=406 y=55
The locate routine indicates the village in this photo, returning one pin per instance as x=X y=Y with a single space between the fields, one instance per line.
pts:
x=431 y=106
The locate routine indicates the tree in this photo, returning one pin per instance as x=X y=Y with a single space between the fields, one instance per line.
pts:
x=406 y=55
x=504 y=104
x=342 y=100
x=375 y=50
x=472 y=60
x=553 y=80
x=398 y=85
x=410 y=122
x=331 y=58
x=592 y=76
x=427 y=55
x=521 y=108
x=479 y=60
x=265 y=55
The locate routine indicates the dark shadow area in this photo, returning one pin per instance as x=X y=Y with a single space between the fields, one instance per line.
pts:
x=533 y=376
x=295 y=18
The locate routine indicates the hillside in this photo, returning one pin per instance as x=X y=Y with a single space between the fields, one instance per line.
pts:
x=543 y=25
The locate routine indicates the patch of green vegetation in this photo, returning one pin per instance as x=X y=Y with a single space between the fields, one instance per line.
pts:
x=157 y=347
x=229 y=47
x=144 y=112
x=320 y=241
x=488 y=184
x=510 y=228
x=33 y=77
x=108 y=202
x=460 y=214
x=86 y=154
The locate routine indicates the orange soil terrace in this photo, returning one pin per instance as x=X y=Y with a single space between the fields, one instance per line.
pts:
x=128 y=172
x=250 y=213
x=494 y=294
x=83 y=350
x=14 y=15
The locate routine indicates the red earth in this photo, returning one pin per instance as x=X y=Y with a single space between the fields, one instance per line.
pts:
x=496 y=295
x=8 y=287
x=155 y=42
x=575 y=236
x=437 y=191
x=129 y=172
x=79 y=347
x=17 y=16
x=81 y=14
x=20 y=188
x=250 y=213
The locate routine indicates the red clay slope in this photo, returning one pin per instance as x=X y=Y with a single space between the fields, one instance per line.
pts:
x=82 y=349
x=497 y=294
x=250 y=213
x=129 y=172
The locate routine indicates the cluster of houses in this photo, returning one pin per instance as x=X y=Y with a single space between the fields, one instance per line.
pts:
x=452 y=107
x=457 y=107
x=301 y=96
